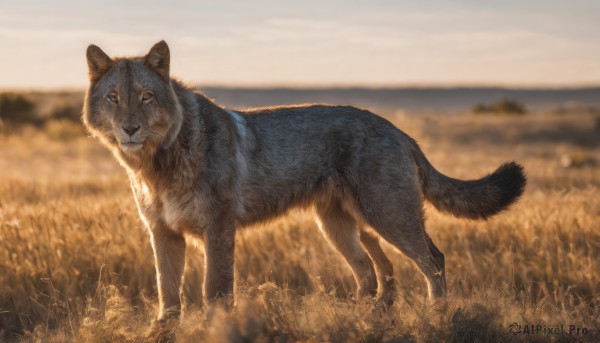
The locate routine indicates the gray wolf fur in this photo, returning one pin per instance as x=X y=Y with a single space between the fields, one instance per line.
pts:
x=199 y=170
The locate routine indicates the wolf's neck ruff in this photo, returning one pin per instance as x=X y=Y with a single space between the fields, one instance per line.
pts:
x=176 y=122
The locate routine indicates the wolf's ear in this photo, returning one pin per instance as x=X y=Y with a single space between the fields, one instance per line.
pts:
x=158 y=59
x=98 y=62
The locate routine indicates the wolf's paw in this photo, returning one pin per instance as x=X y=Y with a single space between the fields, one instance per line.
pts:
x=385 y=301
x=162 y=331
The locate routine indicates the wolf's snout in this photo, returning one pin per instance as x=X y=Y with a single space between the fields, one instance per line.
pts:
x=130 y=125
x=130 y=129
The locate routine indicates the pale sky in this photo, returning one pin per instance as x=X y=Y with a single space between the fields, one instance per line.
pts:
x=310 y=43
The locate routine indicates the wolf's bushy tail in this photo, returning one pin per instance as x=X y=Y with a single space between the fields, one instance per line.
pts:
x=475 y=199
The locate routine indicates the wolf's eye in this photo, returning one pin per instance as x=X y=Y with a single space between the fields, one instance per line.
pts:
x=113 y=98
x=147 y=96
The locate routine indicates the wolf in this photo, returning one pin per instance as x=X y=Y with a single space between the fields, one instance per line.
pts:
x=198 y=170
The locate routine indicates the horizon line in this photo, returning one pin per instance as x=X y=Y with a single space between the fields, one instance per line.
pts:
x=329 y=86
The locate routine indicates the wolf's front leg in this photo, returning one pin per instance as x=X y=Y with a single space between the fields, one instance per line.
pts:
x=219 y=245
x=169 y=257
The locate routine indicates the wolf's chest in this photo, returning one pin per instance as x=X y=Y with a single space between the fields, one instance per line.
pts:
x=182 y=211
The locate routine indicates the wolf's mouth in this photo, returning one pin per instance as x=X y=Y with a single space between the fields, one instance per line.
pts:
x=131 y=146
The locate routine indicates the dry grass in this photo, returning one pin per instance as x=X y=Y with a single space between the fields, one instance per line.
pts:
x=76 y=264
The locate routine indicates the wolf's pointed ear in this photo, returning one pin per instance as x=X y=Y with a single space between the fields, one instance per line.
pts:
x=158 y=59
x=98 y=62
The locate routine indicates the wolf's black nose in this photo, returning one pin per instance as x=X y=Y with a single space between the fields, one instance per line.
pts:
x=130 y=129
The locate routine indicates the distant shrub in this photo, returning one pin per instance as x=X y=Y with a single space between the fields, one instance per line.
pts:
x=505 y=106
x=17 y=109
x=66 y=112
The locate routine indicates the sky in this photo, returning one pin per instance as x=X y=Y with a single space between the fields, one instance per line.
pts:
x=377 y=43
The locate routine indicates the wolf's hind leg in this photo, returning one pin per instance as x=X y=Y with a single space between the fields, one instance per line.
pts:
x=440 y=261
x=339 y=227
x=399 y=220
x=383 y=266
x=415 y=244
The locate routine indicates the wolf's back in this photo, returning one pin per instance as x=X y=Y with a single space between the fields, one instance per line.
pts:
x=475 y=199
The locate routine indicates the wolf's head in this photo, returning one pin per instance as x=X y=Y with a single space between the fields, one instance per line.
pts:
x=130 y=104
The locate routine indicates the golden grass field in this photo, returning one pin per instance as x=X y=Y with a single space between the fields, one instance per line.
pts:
x=76 y=264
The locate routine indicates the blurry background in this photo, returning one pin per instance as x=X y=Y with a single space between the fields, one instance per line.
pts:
x=310 y=43
x=476 y=83
x=427 y=55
